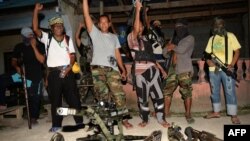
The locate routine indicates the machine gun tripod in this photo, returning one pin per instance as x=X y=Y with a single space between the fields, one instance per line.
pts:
x=105 y=116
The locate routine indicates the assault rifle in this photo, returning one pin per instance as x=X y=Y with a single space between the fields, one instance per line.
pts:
x=23 y=75
x=220 y=64
x=195 y=135
x=131 y=19
x=168 y=60
x=174 y=133
x=169 y=55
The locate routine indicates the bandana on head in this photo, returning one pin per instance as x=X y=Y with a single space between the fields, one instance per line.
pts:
x=157 y=23
x=26 y=32
x=55 y=20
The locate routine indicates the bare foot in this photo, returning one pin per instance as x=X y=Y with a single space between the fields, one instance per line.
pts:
x=143 y=124
x=212 y=115
x=164 y=124
x=126 y=124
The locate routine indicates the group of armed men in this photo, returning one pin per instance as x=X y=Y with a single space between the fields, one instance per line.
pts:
x=151 y=77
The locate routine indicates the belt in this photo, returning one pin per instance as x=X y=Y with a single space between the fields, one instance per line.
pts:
x=56 y=68
x=101 y=67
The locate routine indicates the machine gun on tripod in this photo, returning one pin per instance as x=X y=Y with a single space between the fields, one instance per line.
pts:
x=220 y=64
x=104 y=116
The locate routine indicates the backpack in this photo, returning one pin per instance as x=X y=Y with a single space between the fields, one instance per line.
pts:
x=75 y=67
x=49 y=41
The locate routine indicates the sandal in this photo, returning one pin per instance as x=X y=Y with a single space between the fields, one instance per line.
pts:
x=189 y=119
x=212 y=115
x=165 y=124
x=235 y=120
x=127 y=125
x=143 y=124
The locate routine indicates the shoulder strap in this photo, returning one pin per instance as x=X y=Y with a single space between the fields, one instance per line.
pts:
x=226 y=49
x=213 y=43
x=49 y=41
x=67 y=39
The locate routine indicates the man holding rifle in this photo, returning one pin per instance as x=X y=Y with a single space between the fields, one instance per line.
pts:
x=181 y=68
x=224 y=46
x=29 y=54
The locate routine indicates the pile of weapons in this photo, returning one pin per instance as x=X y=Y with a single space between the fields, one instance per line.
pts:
x=103 y=116
x=174 y=134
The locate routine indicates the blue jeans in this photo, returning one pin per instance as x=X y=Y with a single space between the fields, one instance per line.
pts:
x=228 y=84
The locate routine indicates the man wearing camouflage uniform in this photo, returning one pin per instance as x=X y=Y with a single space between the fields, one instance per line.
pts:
x=181 y=69
x=106 y=57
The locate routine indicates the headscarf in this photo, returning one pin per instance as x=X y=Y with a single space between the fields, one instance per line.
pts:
x=181 y=31
x=219 y=27
x=26 y=33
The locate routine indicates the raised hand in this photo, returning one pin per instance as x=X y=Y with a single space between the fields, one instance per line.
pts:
x=38 y=6
x=33 y=42
x=138 y=4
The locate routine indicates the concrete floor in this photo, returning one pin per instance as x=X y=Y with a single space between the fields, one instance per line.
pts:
x=11 y=130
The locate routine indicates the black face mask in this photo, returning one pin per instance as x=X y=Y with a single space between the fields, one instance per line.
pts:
x=181 y=32
x=221 y=31
x=26 y=41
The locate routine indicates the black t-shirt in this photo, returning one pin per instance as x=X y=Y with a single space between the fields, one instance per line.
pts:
x=33 y=68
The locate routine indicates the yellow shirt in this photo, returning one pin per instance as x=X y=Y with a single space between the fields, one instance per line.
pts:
x=219 y=47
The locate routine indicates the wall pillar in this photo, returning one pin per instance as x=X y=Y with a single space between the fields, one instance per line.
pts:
x=201 y=73
x=239 y=70
x=247 y=71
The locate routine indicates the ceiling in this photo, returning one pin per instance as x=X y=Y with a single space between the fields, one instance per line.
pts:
x=165 y=10
x=168 y=10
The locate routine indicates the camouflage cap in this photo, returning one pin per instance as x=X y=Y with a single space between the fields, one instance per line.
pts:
x=55 y=20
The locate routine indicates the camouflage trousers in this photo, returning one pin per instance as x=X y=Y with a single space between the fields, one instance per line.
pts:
x=107 y=84
x=184 y=80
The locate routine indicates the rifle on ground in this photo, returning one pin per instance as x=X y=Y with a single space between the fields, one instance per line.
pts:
x=25 y=90
x=220 y=64
x=195 y=135
x=174 y=133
